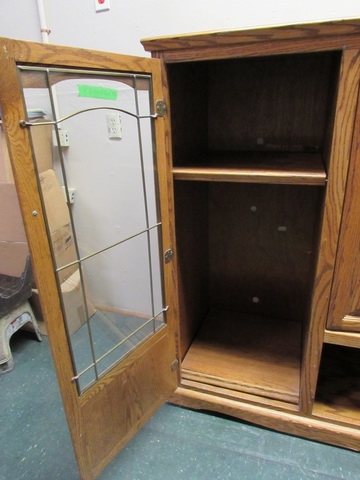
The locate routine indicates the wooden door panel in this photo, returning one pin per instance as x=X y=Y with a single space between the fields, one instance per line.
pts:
x=109 y=411
x=115 y=410
x=344 y=311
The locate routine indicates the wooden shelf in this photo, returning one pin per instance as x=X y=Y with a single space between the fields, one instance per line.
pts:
x=257 y=167
x=347 y=339
x=254 y=355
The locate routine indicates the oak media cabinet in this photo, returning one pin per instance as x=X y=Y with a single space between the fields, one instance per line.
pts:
x=265 y=128
x=257 y=136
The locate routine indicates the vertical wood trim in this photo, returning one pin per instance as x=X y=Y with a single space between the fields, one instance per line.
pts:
x=337 y=174
x=164 y=167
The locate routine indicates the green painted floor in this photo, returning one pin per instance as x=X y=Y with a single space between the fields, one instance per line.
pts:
x=176 y=444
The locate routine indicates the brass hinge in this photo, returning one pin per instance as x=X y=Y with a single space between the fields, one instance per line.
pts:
x=175 y=365
x=168 y=255
x=160 y=108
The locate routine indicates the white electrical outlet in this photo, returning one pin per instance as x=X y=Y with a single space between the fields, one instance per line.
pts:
x=64 y=138
x=114 y=127
x=71 y=192
x=101 y=5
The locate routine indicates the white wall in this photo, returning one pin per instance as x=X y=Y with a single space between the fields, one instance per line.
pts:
x=120 y=29
x=19 y=19
x=75 y=23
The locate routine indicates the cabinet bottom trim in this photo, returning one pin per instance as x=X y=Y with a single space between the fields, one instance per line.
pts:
x=286 y=422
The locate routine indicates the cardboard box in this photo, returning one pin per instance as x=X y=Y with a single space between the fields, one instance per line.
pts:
x=55 y=205
x=64 y=251
x=59 y=223
x=11 y=224
x=6 y=175
x=13 y=244
x=13 y=258
x=73 y=304
x=41 y=137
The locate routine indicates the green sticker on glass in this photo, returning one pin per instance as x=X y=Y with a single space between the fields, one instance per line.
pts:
x=91 y=91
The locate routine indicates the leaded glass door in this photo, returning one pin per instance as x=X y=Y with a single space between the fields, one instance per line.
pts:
x=96 y=212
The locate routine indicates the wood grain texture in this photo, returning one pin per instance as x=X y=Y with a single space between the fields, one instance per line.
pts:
x=321 y=430
x=347 y=339
x=272 y=106
x=337 y=174
x=95 y=419
x=275 y=103
x=257 y=167
x=191 y=203
x=209 y=388
x=61 y=56
x=338 y=390
x=255 y=355
x=336 y=137
x=188 y=92
x=312 y=37
x=196 y=129
x=345 y=294
x=313 y=31
x=114 y=410
x=262 y=246
x=247 y=248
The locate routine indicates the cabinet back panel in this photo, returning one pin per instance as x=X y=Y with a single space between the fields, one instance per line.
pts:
x=272 y=103
x=262 y=248
x=276 y=103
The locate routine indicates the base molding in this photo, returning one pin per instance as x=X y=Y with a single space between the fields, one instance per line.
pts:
x=293 y=423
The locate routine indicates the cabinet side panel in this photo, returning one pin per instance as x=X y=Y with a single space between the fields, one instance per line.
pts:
x=192 y=248
x=188 y=98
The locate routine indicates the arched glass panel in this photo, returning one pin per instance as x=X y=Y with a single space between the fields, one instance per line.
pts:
x=98 y=187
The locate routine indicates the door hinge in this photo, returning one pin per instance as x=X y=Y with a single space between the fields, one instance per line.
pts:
x=175 y=365
x=160 y=108
x=168 y=255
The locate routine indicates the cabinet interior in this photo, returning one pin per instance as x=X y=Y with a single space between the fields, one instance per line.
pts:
x=338 y=390
x=251 y=148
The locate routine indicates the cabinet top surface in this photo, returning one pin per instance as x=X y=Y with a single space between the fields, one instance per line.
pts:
x=342 y=30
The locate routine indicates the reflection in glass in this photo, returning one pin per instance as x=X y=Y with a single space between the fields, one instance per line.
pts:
x=99 y=195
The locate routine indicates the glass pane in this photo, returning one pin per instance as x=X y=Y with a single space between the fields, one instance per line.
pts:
x=96 y=176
